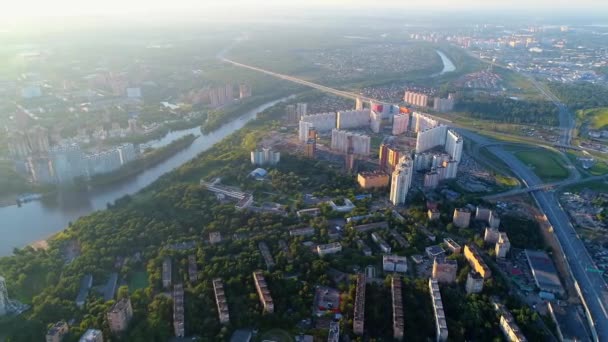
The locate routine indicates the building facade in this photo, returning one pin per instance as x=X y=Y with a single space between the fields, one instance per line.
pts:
x=372 y=179
x=120 y=315
x=401 y=180
x=441 y=326
x=444 y=270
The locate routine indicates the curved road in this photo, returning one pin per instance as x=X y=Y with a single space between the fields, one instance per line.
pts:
x=593 y=290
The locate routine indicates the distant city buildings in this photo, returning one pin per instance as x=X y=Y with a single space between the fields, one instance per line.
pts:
x=353 y=119
x=443 y=105
x=416 y=99
x=444 y=270
x=474 y=283
x=120 y=315
x=471 y=254
x=244 y=90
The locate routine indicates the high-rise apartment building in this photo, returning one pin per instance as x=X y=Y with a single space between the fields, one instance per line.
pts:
x=349 y=142
x=453 y=145
x=265 y=156
x=179 y=324
x=220 y=300
x=353 y=119
x=244 y=90
x=401 y=181
x=322 y=122
x=401 y=123
x=444 y=270
x=301 y=109
x=389 y=157
x=422 y=122
x=502 y=245
x=304 y=129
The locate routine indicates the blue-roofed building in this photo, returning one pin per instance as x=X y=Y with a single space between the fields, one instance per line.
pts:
x=258 y=173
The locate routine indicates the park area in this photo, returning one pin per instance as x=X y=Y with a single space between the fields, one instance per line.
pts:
x=546 y=164
x=597 y=117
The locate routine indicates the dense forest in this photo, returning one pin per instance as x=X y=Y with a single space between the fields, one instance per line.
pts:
x=135 y=234
x=582 y=95
x=507 y=110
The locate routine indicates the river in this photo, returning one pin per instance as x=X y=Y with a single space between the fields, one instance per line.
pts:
x=33 y=221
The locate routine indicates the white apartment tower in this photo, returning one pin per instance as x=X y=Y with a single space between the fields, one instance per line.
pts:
x=401 y=181
x=453 y=145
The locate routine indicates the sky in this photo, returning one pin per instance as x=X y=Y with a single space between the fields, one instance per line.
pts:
x=58 y=8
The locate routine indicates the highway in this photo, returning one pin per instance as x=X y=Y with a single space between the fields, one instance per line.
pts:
x=594 y=292
x=545 y=186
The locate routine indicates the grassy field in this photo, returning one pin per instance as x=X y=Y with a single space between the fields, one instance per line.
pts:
x=598 y=117
x=277 y=335
x=138 y=280
x=546 y=164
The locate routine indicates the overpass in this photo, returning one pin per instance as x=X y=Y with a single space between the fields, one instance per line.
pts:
x=545 y=186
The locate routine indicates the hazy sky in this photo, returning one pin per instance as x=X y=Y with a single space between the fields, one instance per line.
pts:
x=37 y=8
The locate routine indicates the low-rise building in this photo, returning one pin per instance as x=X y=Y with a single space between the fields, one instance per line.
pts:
x=398 y=322
x=334 y=332
x=462 y=217
x=502 y=245
x=329 y=248
x=474 y=283
x=220 y=300
x=433 y=214
x=476 y=261
x=452 y=245
x=92 y=335
x=306 y=231
x=444 y=270
x=263 y=292
x=266 y=254
x=434 y=251
x=363 y=228
x=364 y=248
x=308 y=212
x=373 y=179
x=179 y=319
x=359 y=312
x=120 y=315
x=494 y=220
x=490 y=235
x=441 y=326
x=394 y=263
x=384 y=247
x=57 y=332
x=508 y=326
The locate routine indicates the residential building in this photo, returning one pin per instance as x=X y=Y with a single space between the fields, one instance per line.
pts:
x=120 y=315
x=167 y=272
x=476 y=261
x=454 y=144
x=358 y=104
x=452 y=245
x=263 y=292
x=179 y=327
x=304 y=130
x=372 y=179
x=397 y=301
x=441 y=326
x=301 y=109
x=292 y=117
x=57 y=332
x=462 y=217
x=494 y=220
x=434 y=251
x=126 y=153
x=92 y=335
x=401 y=181
x=416 y=99
x=444 y=270
x=215 y=237
x=502 y=245
x=334 y=332
x=322 y=122
x=490 y=235
x=364 y=248
x=507 y=323
x=474 y=283
x=375 y=121
x=389 y=157
x=306 y=231
x=430 y=138
x=220 y=300
x=363 y=228
x=308 y=212
x=384 y=247
x=431 y=179
x=401 y=123
x=359 y=311
x=443 y=105
x=330 y=248
x=394 y=263
x=353 y=119
x=69 y=162
x=244 y=91
x=265 y=156
x=433 y=214
x=265 y=251
x=349 y=142
x=482 y=214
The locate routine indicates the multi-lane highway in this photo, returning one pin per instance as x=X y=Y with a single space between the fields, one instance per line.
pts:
x=593 y=290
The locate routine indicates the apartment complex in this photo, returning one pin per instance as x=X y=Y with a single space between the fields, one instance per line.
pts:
x=329 y=248
x=476 y=261
x=349 y=142
x=353 y=119
x=220 y=300
x=263 y=292
x=401 y=181
x=444 y=270
x=401 y=123
x=389 y=157
x=265 y=156
x=359 y=314
x=394 y=263
x=454 y=144
x=430 y=138
x=462 y=217
x=441 y=326
x=398 y=323
x=508 y=326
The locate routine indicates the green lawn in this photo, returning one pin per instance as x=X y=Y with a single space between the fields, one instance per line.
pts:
x=598 y=117
x=600 y=168
x=546 y=164
x=277 y=335
x=138 y=280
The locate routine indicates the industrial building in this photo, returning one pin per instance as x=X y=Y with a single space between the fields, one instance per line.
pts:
x=394 y=263
x=263 y=292
x=330 y=248
x=372 y=179
x=461 y=218
x=476 y=261
x=544 y=272
x=441 y=326
x=349 y=142
x=401 y=181
x=120 y=315
x=474 y=283
x=444 y=270
x=220 y=300
x=398 y=322
x=178 y=311
x=359 y=311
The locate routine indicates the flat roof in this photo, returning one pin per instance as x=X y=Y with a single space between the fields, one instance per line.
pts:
x=544 y=271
